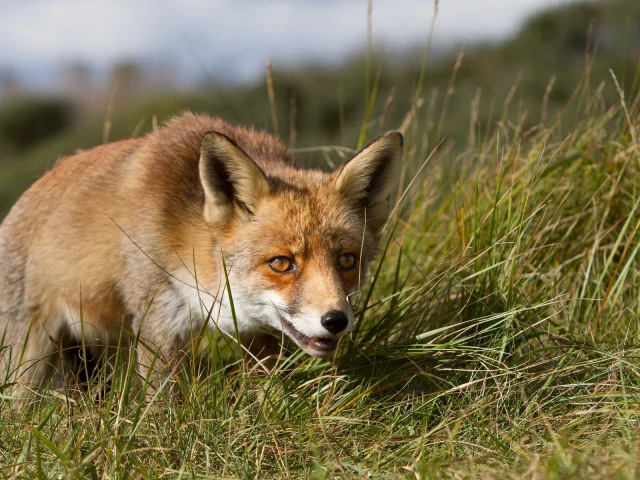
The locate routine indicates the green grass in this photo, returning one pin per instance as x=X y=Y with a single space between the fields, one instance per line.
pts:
x=497 y=339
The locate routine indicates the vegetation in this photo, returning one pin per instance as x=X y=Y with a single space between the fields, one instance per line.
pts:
x=499 y=337
x=535 y=72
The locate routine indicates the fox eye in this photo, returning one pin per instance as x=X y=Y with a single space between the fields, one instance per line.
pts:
x=347 y=261
x=281 y=264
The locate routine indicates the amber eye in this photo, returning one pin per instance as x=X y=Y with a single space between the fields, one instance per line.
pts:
x=347 y=261
x=281 y=264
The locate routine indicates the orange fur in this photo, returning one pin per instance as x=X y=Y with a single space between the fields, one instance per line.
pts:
x=131 y=236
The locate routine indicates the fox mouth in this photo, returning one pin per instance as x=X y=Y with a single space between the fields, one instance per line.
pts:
x=314 y=346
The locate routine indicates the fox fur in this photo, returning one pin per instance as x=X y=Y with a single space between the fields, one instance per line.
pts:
x=135 y=236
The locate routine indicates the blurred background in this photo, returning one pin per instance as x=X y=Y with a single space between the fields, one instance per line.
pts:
x=75 y=74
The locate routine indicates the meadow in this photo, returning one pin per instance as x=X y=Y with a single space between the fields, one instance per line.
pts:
x=498 y=337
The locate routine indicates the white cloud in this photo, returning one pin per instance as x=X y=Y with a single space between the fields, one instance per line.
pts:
x=236 y=35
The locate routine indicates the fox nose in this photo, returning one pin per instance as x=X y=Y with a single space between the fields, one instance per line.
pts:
x=335 y=321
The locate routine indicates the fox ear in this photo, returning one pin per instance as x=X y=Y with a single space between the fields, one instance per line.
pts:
x=368 y=179
x=232 y=182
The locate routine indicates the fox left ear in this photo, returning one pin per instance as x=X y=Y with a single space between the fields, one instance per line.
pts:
x=368 y=179
x=233 y=183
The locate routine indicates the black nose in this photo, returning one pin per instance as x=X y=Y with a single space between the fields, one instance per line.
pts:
x=335 y=321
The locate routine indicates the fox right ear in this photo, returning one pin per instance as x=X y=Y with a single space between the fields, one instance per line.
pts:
x=368 y=179
x=232 y=181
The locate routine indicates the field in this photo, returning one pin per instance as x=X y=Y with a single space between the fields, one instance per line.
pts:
x=498 y=338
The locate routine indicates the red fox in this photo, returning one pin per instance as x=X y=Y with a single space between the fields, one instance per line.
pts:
x=144 y=236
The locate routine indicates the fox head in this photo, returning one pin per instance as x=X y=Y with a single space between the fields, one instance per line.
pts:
x=296 y=242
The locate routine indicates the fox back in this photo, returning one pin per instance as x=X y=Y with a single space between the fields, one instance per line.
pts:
x=199 y=224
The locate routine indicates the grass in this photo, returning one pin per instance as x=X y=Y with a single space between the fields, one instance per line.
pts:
x=497 y=339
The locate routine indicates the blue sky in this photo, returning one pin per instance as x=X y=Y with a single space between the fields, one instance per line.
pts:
x=234 y=37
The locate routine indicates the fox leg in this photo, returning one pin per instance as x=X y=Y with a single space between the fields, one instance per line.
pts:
x=156 y=365
x=159 y=352
x=261 y=352
x=29 y=329
x=31 y=360
x=37 y=359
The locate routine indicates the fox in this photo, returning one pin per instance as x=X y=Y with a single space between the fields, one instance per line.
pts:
x=198 y=225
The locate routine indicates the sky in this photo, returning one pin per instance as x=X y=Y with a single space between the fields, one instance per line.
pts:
x=234 y=38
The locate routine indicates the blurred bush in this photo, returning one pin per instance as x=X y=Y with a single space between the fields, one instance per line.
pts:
x=26 y=122
x=531 y=75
